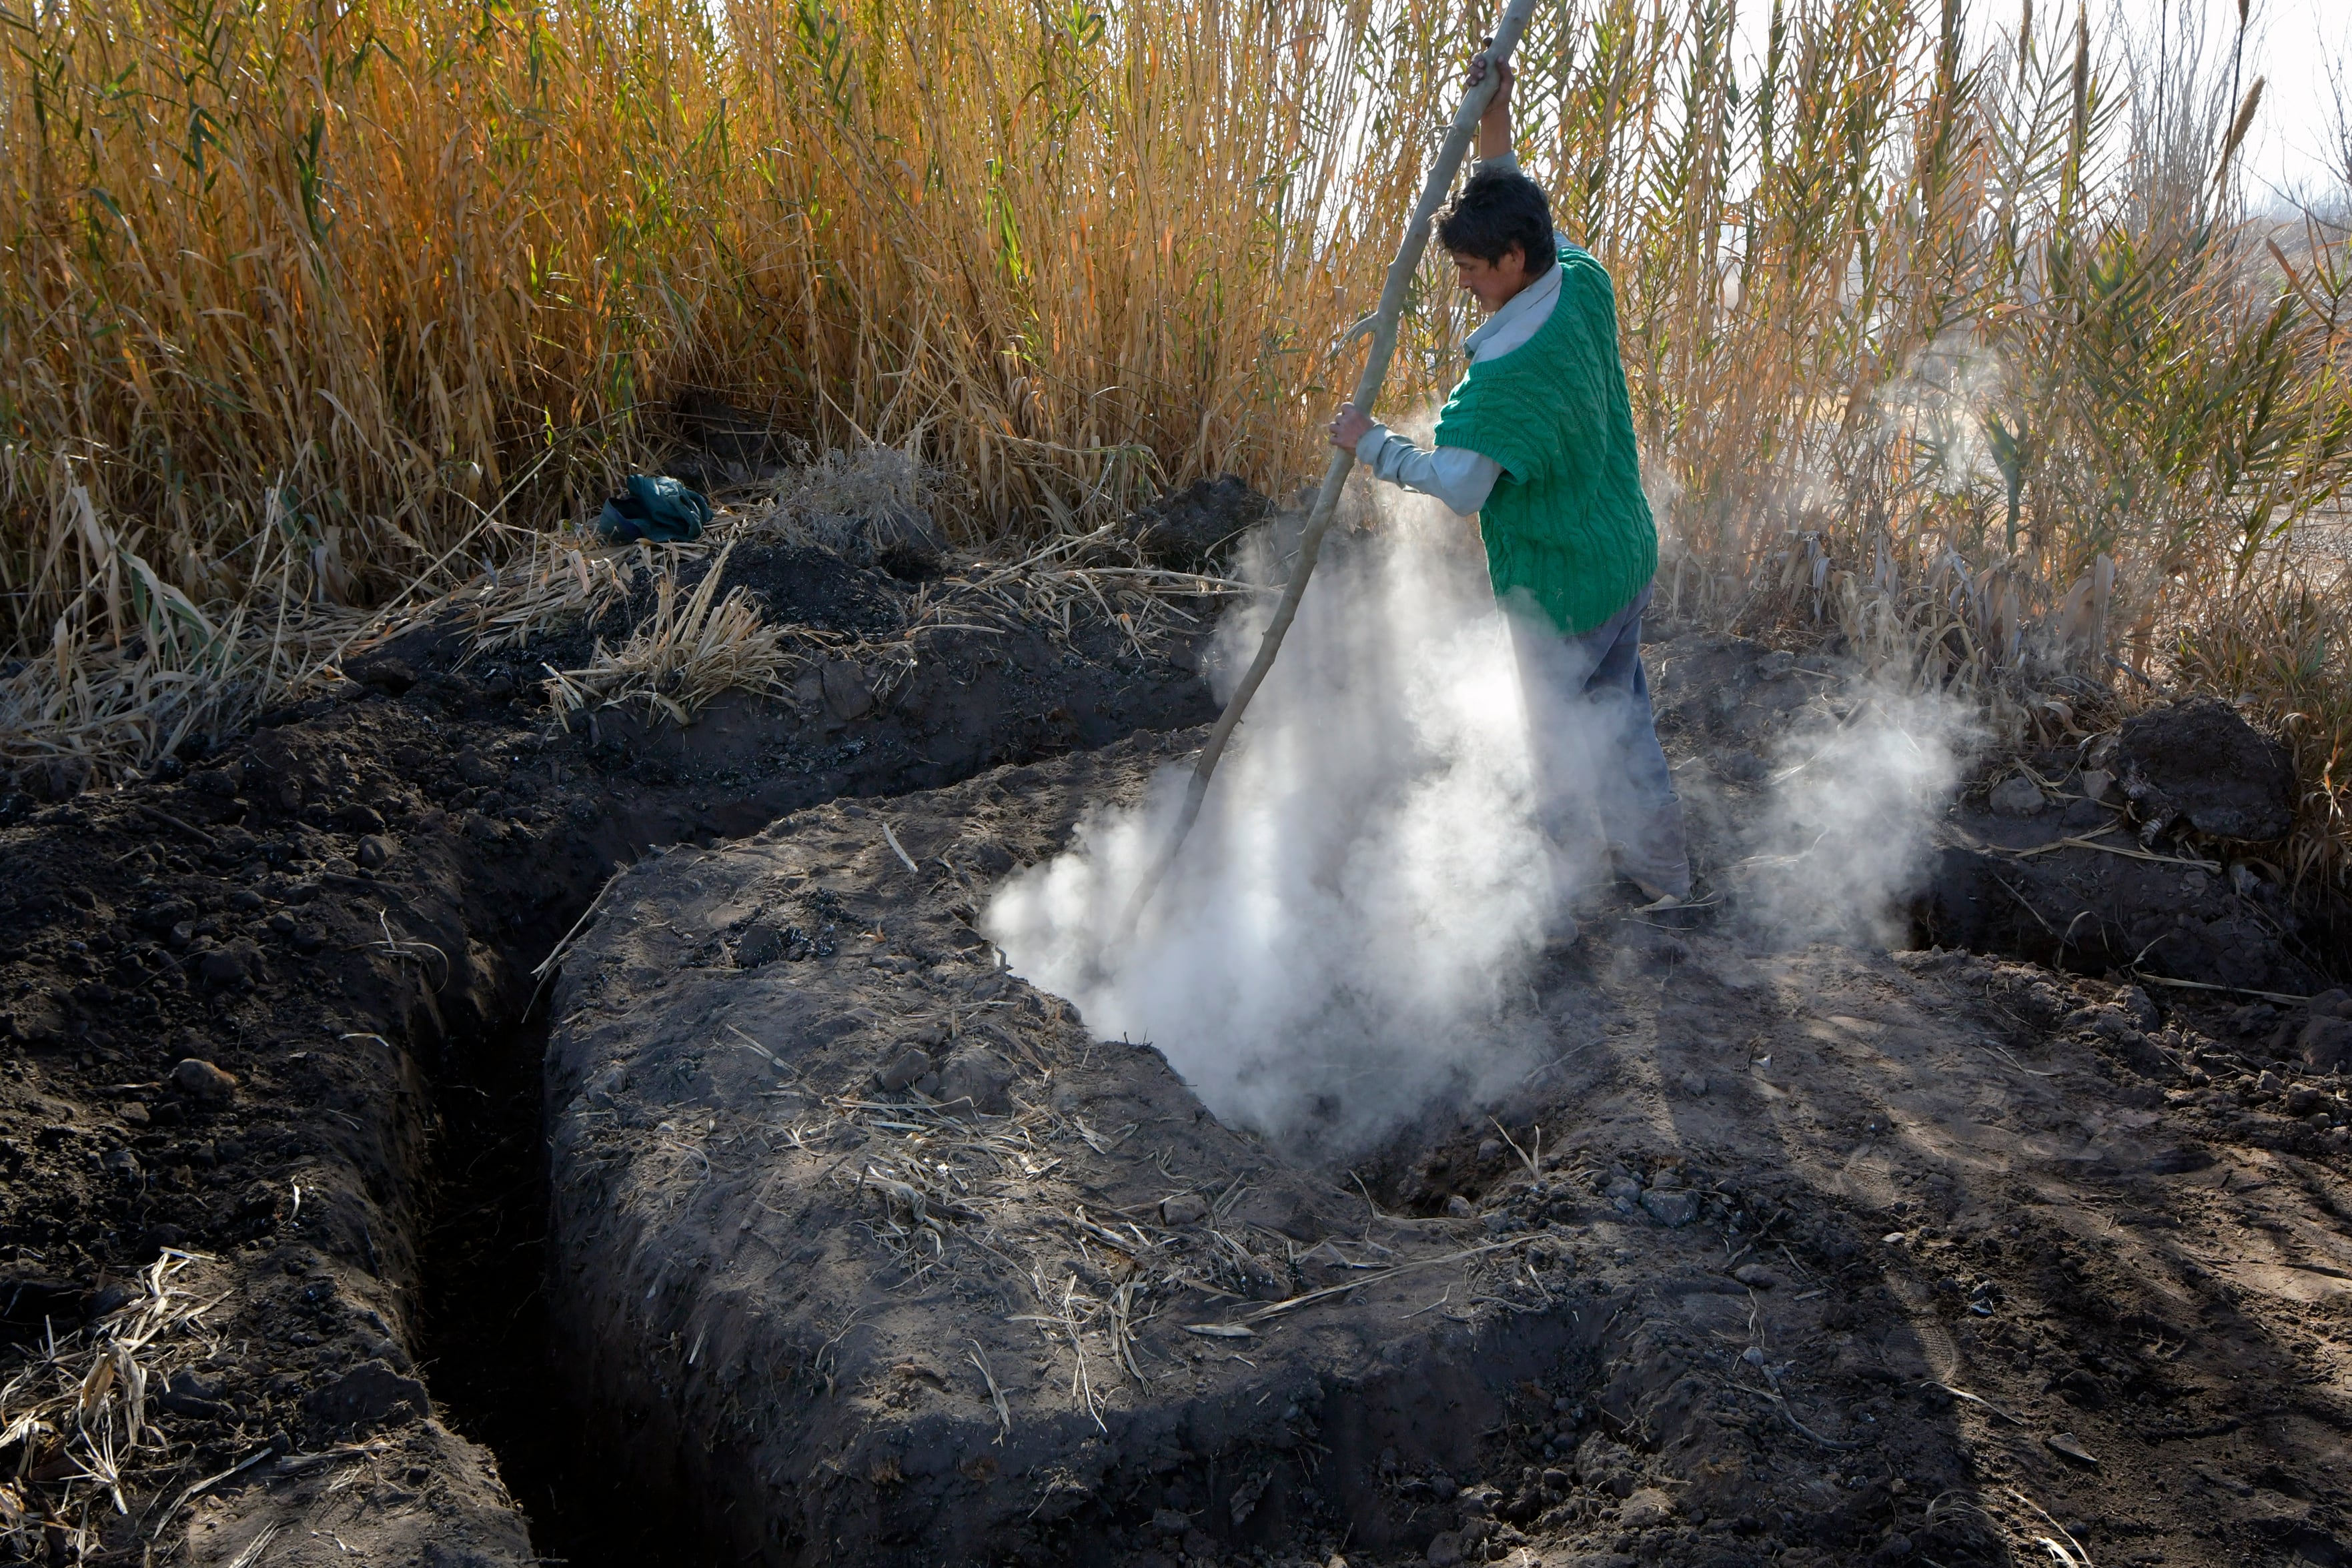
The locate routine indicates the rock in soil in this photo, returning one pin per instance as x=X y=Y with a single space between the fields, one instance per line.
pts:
x=2017 y=796
x=201 y=1080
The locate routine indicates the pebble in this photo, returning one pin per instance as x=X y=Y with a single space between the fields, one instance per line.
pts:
x=1458 y=1207
x=1444 y=1548
x=222 y=967
x=1183 y=1209
x=376 y=852
x=759 y=944
x=903 y=1069
x=1671 y=1207
x=357 y=818
x=1755 y=1277
x=2017 y=796
x=200 y=1080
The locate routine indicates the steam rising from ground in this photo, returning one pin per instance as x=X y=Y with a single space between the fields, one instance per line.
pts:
x=1845 y=834
x=1366 y=885
x=1345 y=942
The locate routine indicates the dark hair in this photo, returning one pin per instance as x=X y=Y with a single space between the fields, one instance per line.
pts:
x=1499 y=210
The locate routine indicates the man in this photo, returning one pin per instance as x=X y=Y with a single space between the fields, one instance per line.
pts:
x=1537 y=440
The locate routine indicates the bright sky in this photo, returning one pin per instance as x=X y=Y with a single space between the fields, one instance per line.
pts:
x=2290 y=43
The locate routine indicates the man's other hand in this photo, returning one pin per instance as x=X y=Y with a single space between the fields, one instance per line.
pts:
x=1349 y=426
x=1478 y=66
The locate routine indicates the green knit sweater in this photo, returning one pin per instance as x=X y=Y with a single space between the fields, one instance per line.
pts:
x=1567 y=522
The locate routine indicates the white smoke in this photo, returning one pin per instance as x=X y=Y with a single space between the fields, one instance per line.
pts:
x=1347 y=939
x=1338 y=943
x=1846 y=832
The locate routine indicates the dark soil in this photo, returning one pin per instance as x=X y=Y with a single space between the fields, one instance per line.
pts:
x=2143 y=1189
x=340 y=911
x=1830 y=1256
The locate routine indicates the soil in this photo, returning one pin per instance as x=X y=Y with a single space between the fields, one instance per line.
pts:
x=336 y=918
x=1821 y=1255
x=2007 y=1214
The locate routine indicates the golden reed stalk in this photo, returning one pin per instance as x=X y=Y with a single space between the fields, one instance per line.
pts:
x=314 y=300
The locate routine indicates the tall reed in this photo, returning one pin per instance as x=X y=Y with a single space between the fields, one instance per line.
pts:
x=1978 y=342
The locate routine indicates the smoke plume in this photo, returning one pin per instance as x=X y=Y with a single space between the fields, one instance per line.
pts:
x=1346 y=941
x=1846 y=831
x=1336 y=946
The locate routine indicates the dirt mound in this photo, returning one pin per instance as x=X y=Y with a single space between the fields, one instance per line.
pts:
x=2050 y=856
x=2200 y=763
x=1192 y=529
x=1822 y=1256
x=2055 y=861
x=950 y=1275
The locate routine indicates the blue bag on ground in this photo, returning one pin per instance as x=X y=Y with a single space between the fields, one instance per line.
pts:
x=661 y=510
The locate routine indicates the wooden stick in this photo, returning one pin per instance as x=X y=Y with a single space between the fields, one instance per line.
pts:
x=1383 y=324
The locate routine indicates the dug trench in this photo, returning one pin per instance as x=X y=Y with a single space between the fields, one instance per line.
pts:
x=777 y=1222
x=270 y=1082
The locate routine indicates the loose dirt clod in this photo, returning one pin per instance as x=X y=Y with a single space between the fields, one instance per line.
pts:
x=2200 y=762
x=200 y=1080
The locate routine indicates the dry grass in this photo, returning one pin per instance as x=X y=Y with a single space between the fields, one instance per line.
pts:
x=695 y=645
x=958 y=1188
x=137 y=669
x=316 y=308
x=76 y=1424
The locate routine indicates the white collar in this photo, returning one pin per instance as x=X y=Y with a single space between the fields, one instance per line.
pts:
x=1533 y=301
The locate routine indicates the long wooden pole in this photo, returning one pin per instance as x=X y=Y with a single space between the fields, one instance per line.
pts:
x=1434 y=191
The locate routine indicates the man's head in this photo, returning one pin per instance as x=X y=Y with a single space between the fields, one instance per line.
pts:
x=1498 y=231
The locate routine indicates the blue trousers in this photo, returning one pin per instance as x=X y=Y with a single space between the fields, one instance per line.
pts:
x=1598 y=763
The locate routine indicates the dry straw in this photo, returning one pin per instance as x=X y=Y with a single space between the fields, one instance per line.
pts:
x=78 y=1415
x=1974 y=350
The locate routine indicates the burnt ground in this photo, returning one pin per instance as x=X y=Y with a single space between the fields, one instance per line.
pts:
x=2141 y=1188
